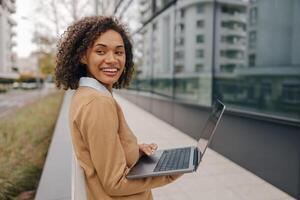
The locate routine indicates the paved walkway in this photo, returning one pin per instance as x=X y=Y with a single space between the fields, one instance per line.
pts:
x=216 y=178
x=17 y=98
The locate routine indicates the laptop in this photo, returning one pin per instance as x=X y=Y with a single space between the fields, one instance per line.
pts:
x=179 y=160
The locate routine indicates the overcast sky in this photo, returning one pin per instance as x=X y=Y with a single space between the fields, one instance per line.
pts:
x=25 y=24
x=24 y=27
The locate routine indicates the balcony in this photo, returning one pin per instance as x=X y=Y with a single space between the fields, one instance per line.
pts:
x=233 y=46
x=235 y=61
x=233 y=32
x=11 y=21
x=235 y=18
x=11 y=7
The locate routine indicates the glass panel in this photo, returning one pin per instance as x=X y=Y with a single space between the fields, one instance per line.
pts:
x=242 y=52
x=264 y=75
x=143 y=64
x=192 y=54
x=162 y=69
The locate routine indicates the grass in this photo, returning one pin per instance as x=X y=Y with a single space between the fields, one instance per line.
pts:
x=25 y=136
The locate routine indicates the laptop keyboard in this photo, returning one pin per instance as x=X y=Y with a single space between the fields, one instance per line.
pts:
x=174 y=159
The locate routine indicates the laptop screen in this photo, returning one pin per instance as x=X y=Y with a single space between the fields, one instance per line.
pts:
x=210 y=126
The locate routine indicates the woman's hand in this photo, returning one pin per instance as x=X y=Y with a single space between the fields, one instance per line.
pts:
x=148 y=149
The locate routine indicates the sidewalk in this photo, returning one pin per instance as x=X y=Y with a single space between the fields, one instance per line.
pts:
x=216 y=178
x=17 y=98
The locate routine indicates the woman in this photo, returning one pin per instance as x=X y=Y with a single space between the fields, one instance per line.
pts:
x=94 y=56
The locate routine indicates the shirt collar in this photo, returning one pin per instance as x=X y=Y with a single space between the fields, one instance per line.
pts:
x=93 y=83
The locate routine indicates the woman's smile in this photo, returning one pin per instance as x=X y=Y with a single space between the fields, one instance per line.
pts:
x=110 y=71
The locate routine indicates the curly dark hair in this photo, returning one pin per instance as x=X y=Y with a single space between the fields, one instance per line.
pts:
x=74 y=43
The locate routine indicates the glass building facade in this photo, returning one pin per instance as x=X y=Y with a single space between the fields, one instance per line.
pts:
x=243 y=52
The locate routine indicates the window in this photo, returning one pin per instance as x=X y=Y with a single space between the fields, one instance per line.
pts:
x=182 y=13
x=199 y=53
x=165 y=2
x=154 y=26
x=227 y=67
x=178 y=68
x=179 y=41
x=232 y=54
x=200 y=39
x=252 y=60
x=199 y=67
x=233 y=25
x=181 y=27
x=224 y=24
x=200 y=8
x=252 y=39
x=179 y=54
x=154 y=7
x=200 y=23
x=266 y=88
x=291 y=93
x=253 y=15
x=223 y=39
x=231 y=39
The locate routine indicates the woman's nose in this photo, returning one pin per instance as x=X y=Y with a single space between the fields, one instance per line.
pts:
x=110 y=58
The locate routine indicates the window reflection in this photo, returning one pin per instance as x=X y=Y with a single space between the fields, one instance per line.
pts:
x=269 y=81
x=247 y=48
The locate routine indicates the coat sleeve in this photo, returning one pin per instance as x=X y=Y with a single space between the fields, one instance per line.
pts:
x=99 y=125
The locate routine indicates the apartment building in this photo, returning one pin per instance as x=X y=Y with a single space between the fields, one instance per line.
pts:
x=180 y=43
x=7 y=33
x=270 y=79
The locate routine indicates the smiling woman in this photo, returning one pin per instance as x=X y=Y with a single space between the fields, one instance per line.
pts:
x=105 y=60
x=94 y=56
x=81 y=48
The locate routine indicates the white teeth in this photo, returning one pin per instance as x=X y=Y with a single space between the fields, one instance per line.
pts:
x=110 y=70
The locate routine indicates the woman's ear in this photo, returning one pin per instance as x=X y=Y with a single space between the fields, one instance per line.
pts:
x=83 y=60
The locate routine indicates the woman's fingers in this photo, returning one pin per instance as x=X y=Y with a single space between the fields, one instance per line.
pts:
x=148 y=149
x=153 y=146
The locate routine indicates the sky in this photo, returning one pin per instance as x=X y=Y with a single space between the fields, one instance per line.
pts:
x=24 y=27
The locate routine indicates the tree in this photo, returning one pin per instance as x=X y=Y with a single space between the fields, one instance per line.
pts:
x=47 y=63
x=50 y=18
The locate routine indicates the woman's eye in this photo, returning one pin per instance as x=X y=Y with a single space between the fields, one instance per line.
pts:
x=119 y=53
x=100 y=52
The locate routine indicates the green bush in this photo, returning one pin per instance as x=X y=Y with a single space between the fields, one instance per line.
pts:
x=25 y=136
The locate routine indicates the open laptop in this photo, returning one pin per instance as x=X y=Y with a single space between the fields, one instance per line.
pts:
x=179 y=160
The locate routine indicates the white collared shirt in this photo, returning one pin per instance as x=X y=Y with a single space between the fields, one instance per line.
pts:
x=93 y=83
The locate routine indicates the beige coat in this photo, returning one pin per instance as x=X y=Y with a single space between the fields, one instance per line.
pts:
x=106 y=148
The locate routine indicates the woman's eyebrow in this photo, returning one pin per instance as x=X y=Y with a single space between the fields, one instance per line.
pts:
x=119 y=46
x=103 y=45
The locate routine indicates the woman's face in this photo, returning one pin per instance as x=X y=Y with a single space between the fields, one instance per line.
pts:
x=105 y=59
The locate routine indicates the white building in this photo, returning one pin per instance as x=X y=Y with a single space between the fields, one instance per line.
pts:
x=28 y=65
x=7 y=8
x=273 y=61
x=273 y=34
x=181 y=38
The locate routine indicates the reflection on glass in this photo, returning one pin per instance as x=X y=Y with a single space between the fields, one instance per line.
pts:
x=192 y=60
x=210 y=126
x=267 y=78
x=244 y=52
